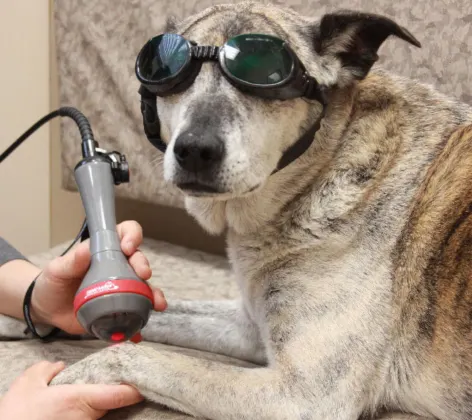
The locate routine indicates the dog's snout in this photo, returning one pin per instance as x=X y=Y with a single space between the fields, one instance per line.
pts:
x=197 y=153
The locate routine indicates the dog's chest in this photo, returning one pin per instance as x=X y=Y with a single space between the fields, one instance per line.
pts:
x=305 y=275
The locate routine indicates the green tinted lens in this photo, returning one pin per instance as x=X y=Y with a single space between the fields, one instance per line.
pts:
x=163 y=56
x=257 y=59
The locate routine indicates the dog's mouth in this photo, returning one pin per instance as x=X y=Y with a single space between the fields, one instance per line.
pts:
x=198 y=189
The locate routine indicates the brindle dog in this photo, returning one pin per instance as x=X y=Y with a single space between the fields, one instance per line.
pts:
x=354 y=262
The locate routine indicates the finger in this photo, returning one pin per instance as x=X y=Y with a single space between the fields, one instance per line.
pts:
x=42 y=372
x=107 y=397
x=141 y=265
x=73 y=265
x=131 y=235
x=160 y=302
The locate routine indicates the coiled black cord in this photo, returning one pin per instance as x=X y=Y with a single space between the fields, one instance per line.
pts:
x=81 y=121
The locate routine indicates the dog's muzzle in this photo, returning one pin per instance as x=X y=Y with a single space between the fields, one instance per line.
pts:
x=261 y=65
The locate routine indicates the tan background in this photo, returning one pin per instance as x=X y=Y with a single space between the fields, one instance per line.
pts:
x=24 y=98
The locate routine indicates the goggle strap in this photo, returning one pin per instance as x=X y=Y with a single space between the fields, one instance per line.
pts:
x=304 y=142
x=205 y=52
x=152 y=126
x=313 y=90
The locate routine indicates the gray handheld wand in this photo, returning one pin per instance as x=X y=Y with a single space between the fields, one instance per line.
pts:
x=112 y=302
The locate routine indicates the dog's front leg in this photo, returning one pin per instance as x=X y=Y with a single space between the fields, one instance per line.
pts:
x=219 y=391
x=401 y=416
x=198 y=387
x=216 y=326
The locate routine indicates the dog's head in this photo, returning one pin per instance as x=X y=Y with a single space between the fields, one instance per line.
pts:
x=225 y=143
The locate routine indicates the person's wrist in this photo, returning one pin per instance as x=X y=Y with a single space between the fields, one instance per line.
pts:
x=40 y=320
x=39 y=315
x=16 y=277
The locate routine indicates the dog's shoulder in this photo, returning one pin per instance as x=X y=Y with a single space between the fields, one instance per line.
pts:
x=433 y=270
x=434 y=249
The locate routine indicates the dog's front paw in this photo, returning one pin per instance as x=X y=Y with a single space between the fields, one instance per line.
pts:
x=108 y=366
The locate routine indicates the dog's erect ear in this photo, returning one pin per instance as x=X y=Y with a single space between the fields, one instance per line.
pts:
x=355 y=37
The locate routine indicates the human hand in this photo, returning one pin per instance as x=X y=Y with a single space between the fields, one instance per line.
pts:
x=53 y=294
x=30 y=397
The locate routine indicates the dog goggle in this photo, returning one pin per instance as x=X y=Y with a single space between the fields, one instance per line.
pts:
x=262 y=65
x=257 y=64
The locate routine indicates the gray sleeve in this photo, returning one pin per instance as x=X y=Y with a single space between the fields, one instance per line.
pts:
x=8 y=253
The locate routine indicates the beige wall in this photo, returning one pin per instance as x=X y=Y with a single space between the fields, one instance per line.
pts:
x=24 y=98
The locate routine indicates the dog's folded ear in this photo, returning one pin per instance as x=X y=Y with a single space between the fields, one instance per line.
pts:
x=171 y=24
x=355 y=37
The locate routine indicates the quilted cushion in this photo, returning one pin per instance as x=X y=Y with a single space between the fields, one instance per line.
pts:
x=98 y=40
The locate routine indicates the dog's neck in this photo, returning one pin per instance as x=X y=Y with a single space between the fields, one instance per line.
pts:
x=245 y=215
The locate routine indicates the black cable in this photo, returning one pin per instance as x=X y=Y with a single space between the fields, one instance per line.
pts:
x=28 y=133
x=86 y=132
x=77 y=238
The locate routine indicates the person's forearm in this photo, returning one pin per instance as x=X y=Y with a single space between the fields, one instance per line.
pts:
x=15 y=277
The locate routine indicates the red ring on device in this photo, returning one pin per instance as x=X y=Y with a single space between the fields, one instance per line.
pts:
x=109 y=287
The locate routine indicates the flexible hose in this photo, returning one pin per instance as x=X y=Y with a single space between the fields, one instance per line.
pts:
x=81 y=121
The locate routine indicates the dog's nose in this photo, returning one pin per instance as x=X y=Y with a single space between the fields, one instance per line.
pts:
x=198 y=152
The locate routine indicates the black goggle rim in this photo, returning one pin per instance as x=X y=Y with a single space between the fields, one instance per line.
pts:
x=285 y=81
x=296 y=84
x=169 y=82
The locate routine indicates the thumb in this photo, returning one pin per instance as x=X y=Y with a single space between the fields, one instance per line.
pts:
x=109 y=397
x=72 y=265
